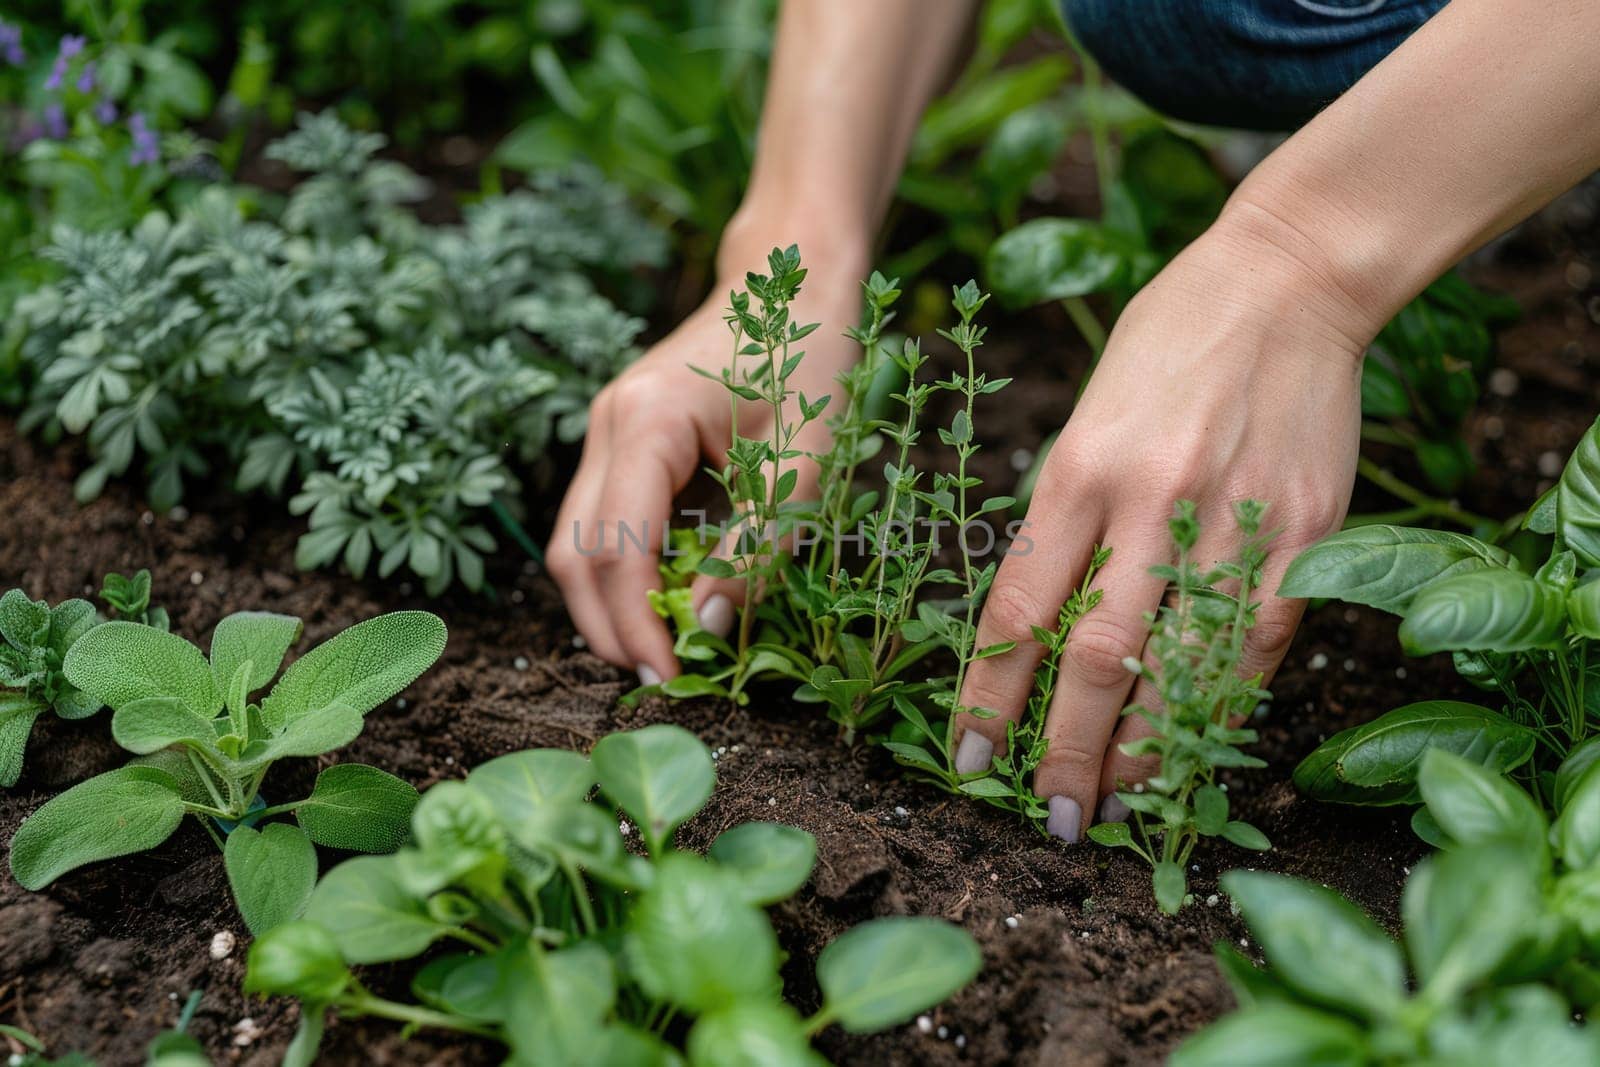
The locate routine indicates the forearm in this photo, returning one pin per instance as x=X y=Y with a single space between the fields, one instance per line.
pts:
x=849 y=82
x=1484 y=115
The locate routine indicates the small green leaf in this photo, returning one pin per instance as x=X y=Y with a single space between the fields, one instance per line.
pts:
x=1246 y=836
x=1171 y=885
x=150 y=724
x=24 y=623
x=259 y=637
x=886 y=970
x=1577 y=830
x=371 y=917
x=1466 y=912
x=17 y=715
x=1320 y=944
x=358 y=668
x=298 y=959
x=752 y=1032
x=1578 y=499
x=693 y=939
x=120 y=662
x=271 y=871
x=661 y=775
x=1276 y=1035
x=324 y=730
x=357 y=807
x=1111 y=834
x=523 y=782
x=771 y=860
x=561 y=999
x=1210 y=810
x=127 y=810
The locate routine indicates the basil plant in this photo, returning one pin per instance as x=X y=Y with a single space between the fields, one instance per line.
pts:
x=1500 y=948
x=523 y=917
x=1527 y=638
x=203 y=746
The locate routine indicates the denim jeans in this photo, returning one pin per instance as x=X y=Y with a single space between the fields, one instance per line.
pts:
x=1259 y=64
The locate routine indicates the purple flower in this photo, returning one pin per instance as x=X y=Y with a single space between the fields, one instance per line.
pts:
x=55 y=122
x=86 y=78
x=146 y=146
x=105 y=111
x=70 y=46
x=11 y=45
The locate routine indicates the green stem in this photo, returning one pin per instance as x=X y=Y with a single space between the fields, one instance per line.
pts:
x=473 y=938
x=362 y=1002
x=205 y=778
x=1088 y=324
x=515 y=530
x=580 y=896
x=1433 y=506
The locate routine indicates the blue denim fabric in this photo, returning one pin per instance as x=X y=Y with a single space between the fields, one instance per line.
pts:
x=1259 y=64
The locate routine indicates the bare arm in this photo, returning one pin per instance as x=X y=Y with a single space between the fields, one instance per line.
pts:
x=1236 y=372
x=849 y=80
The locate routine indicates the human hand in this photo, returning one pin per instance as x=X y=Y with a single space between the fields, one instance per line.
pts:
x=1234 y=374
x=649 y=430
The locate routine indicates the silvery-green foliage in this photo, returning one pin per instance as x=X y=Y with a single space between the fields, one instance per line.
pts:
x=375 y=369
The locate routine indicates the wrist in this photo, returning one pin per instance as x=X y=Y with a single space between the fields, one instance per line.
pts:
x=1291 y=270
x=836 y=250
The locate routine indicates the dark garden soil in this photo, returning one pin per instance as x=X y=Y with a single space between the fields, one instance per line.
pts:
x=1079 y=966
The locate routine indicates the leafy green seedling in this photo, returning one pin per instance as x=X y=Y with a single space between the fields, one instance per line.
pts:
x=571 y=951
x=1501 y=942
x=129 y=597
x=36 y=640
x=1530 y=639
x=203 y=746
x=1197 y=643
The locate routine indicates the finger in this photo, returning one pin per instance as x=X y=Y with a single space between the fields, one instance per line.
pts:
x=1277 y=619
x=1035 y=578
x=638 y=492
x=579 y=532
x=1094 y=682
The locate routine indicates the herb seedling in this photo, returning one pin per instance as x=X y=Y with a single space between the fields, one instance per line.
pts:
x=36 y=639
x=1196 y=642
x=203 y=747
x=129 y=598
x=1529 y=638
x=1502 y=941
x=569 y=949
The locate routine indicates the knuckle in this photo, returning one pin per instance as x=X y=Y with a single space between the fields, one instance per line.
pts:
x=1096 y=650
x=1011 y=612
x=1068 y=759
x=1130 y=770
x=1268 y=640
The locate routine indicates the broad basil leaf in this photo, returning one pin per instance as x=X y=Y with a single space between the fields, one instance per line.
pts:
x=358 y=807
x=1573 y=769
x=1053 y=259
x=272 y=872
x=1583 y=607
x=120 y=662
x=1320 y=944
x=523 y=782
x=260 y=638
x=298 y=959
x=1490 y=611
x=561 y=999
x=118 y=813
x=1577 y=830
x=358 y=668
x=886 y=970
x=1377 y=762
x=1475 y=805
x=1467 y=911
x=1386 y=566
x=1578 y=499
x=660 y=775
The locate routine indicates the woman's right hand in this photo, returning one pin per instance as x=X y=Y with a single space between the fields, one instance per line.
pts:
x=649 y=430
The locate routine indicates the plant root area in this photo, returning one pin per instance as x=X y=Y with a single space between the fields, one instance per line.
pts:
x=1079 y=966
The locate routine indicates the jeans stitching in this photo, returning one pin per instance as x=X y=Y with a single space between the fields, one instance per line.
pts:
x=1334 y=11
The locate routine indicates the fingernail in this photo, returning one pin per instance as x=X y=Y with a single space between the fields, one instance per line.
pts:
x=648 y=675
x=1066 y=819
x=974 y=753
x=1112 y=809
x=716 y=615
